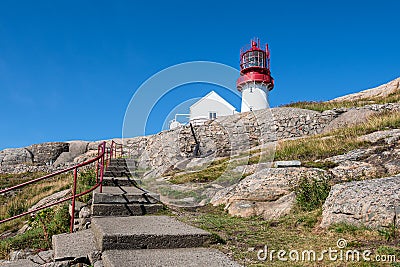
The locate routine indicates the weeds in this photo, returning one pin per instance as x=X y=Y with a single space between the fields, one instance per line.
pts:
x=311 y=193
x=86 y=180
x=44 y=225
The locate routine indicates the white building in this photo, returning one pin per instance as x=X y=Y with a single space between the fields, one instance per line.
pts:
x=210 y=107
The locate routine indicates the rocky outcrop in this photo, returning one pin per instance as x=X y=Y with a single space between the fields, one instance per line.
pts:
x=75 y=149
x=380 y=159
x=47 y=153
x=373 y=203
x=357 y=115
x=267 y=193
x=14 y=156
x=377 y=92
x=388 y=136
x=350 y=117
x=51 y=199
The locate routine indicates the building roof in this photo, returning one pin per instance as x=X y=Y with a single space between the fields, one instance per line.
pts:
x=216 y=97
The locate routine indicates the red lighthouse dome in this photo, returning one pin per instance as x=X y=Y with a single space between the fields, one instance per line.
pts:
x=255 y=66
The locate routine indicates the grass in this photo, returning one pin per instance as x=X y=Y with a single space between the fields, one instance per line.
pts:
x=311 y=193
x=30 y=195
x=322 y=106
x=211 y=173
x=336 y=142
x=44 y=225
x=86 y=180
x=325 y=165
x=47 y=222
x=244 y=237
x=8 y=180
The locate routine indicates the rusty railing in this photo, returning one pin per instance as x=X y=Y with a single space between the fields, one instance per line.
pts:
x=103 y=154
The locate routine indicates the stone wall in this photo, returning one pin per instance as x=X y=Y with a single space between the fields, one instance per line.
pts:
x=229 y=135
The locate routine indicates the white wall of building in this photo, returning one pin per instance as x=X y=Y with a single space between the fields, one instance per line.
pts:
x=254 y=97
x=211 y=103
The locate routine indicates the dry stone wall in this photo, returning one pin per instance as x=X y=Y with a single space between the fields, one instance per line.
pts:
x=229 y=135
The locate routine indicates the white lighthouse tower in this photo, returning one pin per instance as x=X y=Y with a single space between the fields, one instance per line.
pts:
x=255 y=79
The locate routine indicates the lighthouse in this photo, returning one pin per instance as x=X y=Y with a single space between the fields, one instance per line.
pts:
x=255 y=79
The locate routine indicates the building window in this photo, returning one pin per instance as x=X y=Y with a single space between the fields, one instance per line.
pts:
x=212 y=115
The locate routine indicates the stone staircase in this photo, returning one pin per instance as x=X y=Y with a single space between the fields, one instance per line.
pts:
x=125 y=237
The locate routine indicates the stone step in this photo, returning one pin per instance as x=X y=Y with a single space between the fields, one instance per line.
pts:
x=75 y=245
x=118 y=173
x=124 y=195
x=182 y=257
x=123 y=161
x=120 y=181
x=120 y=167
x=146 y=232
x=125 y=209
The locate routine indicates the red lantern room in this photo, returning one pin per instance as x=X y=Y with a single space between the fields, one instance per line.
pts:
x=255 y=66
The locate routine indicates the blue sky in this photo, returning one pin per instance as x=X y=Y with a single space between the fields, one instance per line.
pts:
x=68 y=69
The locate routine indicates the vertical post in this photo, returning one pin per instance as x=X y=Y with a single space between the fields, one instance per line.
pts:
x=97 y=165
x=71 y=228
x=112 y=149
x=103 y=149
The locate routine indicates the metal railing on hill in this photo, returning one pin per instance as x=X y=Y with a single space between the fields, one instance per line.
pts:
x=104 y=156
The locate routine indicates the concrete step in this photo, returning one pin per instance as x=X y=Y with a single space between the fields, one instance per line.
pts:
x=75 y=245
x=125 y=209
x=182 y=257
x=124 y=195
x=122 y=162
x=118 y=173
x=146 y=232
x=120 y=181
x=121 y=167
x=124 y=201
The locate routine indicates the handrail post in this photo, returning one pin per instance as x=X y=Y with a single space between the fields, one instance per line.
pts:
x=112 y=149
x=97 y=165
x=103 y=149
x=71 y=228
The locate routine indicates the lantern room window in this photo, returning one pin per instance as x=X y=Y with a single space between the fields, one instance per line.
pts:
x=253 y=59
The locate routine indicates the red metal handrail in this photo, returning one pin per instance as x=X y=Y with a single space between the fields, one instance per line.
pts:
x=102 y=152
x=114 y=149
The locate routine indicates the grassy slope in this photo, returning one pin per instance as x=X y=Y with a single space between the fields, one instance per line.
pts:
x=45 y=223
x=244 y=237
x=321 y=106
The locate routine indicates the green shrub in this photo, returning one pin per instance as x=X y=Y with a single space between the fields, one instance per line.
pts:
x=44 y=225
x=389 y=233
x=311 y=193
x=86 y=180
x=16 y=207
